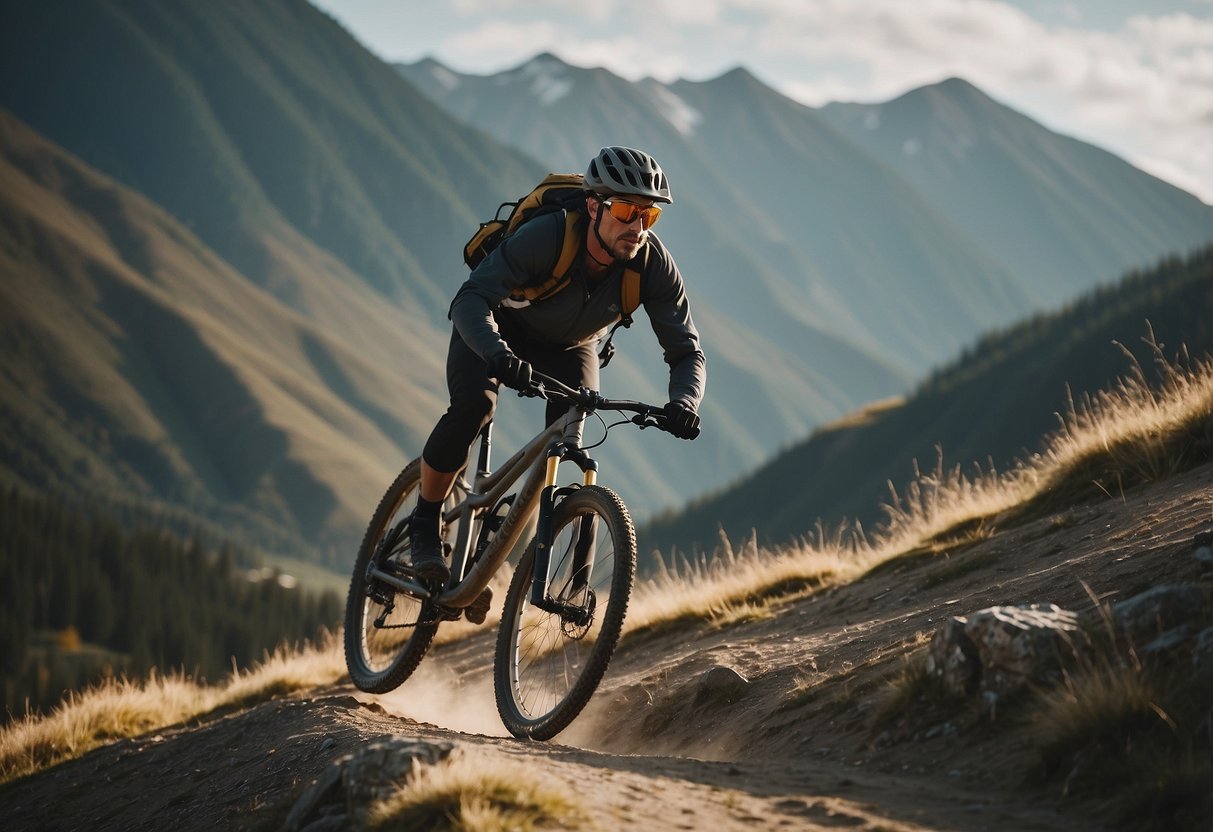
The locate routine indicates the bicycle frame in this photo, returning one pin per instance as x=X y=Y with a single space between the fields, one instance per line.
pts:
x=542 y=457
x=560 y=440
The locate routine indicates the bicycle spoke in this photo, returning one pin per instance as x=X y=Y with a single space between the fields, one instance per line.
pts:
x=550 y=661
x=386 y=631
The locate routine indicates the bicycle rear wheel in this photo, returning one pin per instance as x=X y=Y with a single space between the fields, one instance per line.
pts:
x=386 y=634
x=548 y=664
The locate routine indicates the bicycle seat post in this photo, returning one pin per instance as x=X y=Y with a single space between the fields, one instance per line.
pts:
x=486 y=445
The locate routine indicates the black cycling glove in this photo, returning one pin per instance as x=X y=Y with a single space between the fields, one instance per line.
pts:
x=681 y=420
x=510 y=370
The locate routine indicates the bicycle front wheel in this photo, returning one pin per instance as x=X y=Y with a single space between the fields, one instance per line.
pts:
x=386 y=634
x=549 y=662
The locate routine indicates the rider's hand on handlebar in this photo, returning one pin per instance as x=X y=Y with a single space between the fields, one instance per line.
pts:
x=510 y=370
x=681 y=420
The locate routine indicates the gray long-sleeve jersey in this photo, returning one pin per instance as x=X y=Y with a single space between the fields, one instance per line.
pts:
x=584 y=309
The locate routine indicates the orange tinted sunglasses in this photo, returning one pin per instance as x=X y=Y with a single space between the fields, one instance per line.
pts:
x=627 y=212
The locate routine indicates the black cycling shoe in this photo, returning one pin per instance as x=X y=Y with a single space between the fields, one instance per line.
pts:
x=426 y=559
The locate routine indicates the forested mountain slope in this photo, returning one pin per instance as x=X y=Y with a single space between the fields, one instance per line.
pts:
x=991 y=405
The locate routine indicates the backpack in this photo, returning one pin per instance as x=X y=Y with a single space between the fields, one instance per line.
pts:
x=557 y=191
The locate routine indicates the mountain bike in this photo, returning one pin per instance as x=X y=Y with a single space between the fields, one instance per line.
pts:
x=566 y=602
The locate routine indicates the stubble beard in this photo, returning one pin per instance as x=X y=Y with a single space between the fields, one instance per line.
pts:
x=626 y=249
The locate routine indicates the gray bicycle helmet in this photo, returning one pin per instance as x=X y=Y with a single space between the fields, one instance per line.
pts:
x=622 y=170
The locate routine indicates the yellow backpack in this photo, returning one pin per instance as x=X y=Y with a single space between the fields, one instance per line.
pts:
x=557 y=191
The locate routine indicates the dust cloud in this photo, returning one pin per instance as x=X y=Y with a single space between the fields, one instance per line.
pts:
x=444 y=697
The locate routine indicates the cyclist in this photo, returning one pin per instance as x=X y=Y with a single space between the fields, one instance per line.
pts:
x=496 y=339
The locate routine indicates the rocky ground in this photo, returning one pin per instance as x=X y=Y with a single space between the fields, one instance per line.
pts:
x=794 y=745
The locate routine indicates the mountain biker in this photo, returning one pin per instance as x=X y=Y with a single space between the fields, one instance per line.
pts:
x=496 y=339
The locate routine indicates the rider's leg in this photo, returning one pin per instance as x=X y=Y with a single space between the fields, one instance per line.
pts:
x=473 y=400
x=435 y=485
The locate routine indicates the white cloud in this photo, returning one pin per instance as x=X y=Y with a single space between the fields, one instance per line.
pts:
x=502 y=41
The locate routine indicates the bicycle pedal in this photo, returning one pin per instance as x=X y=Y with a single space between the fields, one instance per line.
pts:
x=478 y=610
x=447 y=614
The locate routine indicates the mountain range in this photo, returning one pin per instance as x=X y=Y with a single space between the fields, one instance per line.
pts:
x=229 y=235
x=906 y=229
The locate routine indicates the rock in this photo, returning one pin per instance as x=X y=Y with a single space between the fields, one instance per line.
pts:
x=1028 y=643
x=1167 y=645
x=1001 y=649
x=324 y=792
x=720 y=684
x=378 y=770
x=1203 y=552
x=952 y=658
x=1146 y=616
x=1202 y=653
x=350 y=783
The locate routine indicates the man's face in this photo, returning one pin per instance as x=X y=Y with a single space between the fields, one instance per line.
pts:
x=623 y=239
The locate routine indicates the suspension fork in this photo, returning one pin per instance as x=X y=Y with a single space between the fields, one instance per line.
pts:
x=583 y=552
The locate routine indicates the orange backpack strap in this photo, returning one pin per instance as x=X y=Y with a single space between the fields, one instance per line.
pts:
x=571 y=245
x=629 y=290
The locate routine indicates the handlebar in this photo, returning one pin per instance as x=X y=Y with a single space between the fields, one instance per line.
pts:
x=546 y=387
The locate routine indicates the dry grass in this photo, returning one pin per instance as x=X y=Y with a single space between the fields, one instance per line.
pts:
x=908 y=686
x=736 y=584
x=1101 y=708
x=119 y=708
x=1131 y=434
x=477 y=795
x=1134 y=740
x=806 y=687
x=1134 y=433
x=721 y=616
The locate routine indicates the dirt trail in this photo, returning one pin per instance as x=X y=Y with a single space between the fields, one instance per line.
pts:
x=796 y=751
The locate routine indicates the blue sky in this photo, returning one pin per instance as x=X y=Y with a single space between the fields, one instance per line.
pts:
x=1134 y=78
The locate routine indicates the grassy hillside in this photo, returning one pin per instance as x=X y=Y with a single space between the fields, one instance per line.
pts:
x=990 y=406
x=138 y=364
x=262 y=341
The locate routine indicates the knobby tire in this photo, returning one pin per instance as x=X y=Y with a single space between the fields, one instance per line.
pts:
x=379 y=660
x=546 y=668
